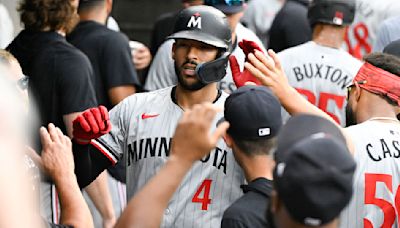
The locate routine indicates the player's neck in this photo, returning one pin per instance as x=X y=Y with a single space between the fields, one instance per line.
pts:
x=99 y=16
x=328 y=36
x=257 y=166
x=187 y=99
x=374 y=106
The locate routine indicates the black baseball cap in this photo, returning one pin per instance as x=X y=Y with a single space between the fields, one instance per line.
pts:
x=393 y=48
x=253 y=112
x=314 y=170
x=226 y=6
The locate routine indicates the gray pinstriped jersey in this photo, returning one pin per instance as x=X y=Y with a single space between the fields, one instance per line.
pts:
x=377 y=177
x=143 y=125
x=321 y=74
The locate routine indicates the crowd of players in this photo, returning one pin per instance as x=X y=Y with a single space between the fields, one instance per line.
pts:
x=205 y=128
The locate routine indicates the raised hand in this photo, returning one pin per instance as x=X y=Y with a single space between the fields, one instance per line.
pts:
x=241 y=78
x=192 y=139
x=269 y=72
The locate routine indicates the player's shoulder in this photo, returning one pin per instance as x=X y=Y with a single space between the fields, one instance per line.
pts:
x=294 y=52
x=152 y=96
x=139 y=101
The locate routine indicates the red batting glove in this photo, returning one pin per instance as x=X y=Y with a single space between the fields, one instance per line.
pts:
x=91 y=124
x=248 y=47
x=240 y=78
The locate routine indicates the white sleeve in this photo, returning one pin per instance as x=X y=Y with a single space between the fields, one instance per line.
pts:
x=6 y=27
x=162 y=72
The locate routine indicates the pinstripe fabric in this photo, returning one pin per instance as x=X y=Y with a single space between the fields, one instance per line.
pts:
x=143 y=126
x=378 y=168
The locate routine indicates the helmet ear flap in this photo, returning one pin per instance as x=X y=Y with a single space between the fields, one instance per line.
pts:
x=213 y=71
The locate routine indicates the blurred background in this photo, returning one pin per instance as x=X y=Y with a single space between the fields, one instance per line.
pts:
x=135 y=17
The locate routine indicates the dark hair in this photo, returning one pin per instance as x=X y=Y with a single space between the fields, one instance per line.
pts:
x=48 y=15
x=89 y=4
x=387 y=62
x=252 y=147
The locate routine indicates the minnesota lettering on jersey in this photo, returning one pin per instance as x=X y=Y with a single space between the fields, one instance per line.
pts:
x=159 y=147
x=326 y=72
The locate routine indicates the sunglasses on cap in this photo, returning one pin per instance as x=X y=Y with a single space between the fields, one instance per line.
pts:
x=227 y=2
x=22 y=83
x=349 y=87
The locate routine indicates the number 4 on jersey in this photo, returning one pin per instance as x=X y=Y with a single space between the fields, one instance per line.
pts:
x=205 y=200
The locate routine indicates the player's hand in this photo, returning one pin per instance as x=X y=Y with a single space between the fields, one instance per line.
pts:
x=91 y=124
x=56 y=158
x=192 y=139
x=109 y=222
x=141 y=57
x=240 y=78
x=269 y=72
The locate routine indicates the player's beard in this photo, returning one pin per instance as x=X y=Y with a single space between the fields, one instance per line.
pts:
x=350 y=116
x=192 y=86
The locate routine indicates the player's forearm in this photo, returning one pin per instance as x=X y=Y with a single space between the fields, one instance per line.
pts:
x=99 y=193
x=74 y=210
x=89 y=163
x=147 y=207
x=294 y=103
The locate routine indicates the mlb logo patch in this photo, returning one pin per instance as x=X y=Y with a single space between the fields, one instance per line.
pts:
x=338 y=19
x=264 y=131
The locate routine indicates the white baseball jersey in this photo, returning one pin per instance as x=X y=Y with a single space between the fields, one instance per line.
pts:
x=143 y=125
x=321 y=74
x=376 y=197
x=369 y=15
x=162 y=71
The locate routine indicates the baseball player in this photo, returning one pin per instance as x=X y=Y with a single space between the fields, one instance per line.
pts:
x=373 y=102
x=319 y=69
x=361 y=35
x=143 y=124
x=161 y=72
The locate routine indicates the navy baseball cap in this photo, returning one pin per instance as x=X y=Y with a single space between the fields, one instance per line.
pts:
x=226 y=6
x=314 y=170
x=253 y=112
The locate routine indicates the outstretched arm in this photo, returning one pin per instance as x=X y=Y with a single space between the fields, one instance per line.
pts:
x=90 y=162
x=192 y=134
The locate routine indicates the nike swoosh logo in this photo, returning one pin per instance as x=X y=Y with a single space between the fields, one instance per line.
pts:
x=146 y=116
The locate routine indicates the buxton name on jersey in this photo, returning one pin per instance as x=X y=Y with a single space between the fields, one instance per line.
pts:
x=321 y=74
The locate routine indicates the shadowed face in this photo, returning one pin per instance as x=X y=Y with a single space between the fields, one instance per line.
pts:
x=187 y=55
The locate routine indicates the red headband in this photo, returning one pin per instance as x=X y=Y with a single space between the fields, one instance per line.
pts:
x=379 y=81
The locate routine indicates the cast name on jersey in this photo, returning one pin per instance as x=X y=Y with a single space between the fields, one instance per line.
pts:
x=387 y=149
x=159 y=147
x=322 y=71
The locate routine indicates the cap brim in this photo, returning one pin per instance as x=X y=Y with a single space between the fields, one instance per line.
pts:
x=198 y=36
x=302 y=126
